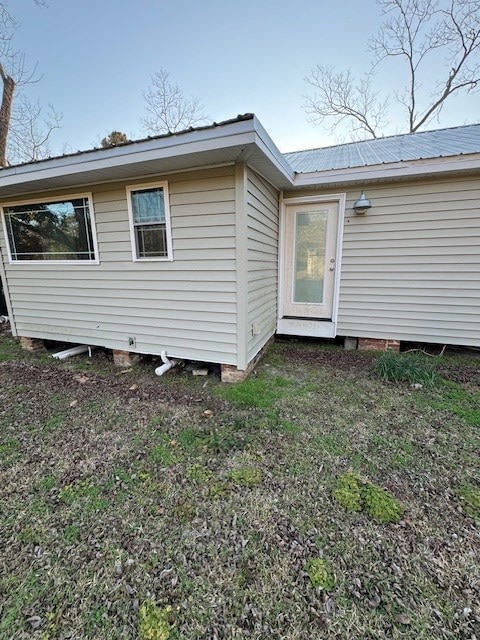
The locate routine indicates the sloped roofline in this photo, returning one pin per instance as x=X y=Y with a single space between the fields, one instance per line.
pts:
x=131 y=143
x=240 y=139
x=405 y=148
x=390 y=137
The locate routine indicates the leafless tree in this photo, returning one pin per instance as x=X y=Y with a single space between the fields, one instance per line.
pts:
x=415 y=32
x=342 y=99
x=22 y=135
x=167 y=108
x=30 y=131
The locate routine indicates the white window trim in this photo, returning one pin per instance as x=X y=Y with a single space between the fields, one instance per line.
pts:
x=50 y=262
x=168 y=229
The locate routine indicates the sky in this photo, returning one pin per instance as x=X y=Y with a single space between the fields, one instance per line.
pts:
x=96 y=58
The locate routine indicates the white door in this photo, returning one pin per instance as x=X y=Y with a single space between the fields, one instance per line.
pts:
x=310 y=249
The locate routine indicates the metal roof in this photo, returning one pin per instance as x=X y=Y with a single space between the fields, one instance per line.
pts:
x=132 y=143
x=239 y=140
x=243 y=139
x=411 y=146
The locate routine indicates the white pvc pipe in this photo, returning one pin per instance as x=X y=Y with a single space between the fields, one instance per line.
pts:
x=4 y=319
x=74 y=351
x=167 y=364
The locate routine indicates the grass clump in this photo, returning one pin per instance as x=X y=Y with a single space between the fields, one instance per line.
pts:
x=460 y=402
x=412 y=368
x=260 y=392
x=357 y=494
x=320 y=574
x=198 y=474
x=470 y=498
x=154 y=622
x=163 y=454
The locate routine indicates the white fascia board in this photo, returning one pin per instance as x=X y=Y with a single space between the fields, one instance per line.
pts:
x=269 y=148
x=410 y=169
x=238 y=133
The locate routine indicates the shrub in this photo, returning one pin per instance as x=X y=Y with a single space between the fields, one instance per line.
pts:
x=412 y=368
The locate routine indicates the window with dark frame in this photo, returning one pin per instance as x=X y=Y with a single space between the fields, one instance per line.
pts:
x=149 y=222
x=59 y=230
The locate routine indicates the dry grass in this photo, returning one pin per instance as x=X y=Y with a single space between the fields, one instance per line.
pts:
x=130 y=506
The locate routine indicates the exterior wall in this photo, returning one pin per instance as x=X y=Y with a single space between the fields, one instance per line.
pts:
x=186 y=307
x=262 y=205
x=410 y=266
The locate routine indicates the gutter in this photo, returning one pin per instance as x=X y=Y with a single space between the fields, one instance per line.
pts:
x=241 y=133
x=391 y=171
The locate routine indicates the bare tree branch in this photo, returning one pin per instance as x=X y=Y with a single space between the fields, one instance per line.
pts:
x=30 y=138
x=167 y=107
x=338 y=97
x=30 y=133
x=416 y=33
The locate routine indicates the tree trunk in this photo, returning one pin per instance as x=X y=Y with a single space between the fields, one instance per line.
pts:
x=5 y=115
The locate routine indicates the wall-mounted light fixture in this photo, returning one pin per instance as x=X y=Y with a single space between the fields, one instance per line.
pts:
x=362 y=205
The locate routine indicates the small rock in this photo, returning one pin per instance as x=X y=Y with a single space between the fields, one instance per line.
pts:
x=208 y=413
x=403 y=619
x=134 y=387
x=416 y=385
x=73 y=403
x=35 y=621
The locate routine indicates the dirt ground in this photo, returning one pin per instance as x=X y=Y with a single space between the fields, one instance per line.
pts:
x=177 y=507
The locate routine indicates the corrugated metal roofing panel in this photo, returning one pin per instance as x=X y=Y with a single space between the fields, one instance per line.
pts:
x=411 y=146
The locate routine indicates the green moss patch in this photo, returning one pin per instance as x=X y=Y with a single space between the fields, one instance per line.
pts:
x=348 y=491
x=154 y=622
x=356 y=494
x=320 y=574
x=247 y=476
x=381 y=505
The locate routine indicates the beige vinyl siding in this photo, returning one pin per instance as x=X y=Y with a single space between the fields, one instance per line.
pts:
x=186 y=307
x=411 y=265
x=262 y=261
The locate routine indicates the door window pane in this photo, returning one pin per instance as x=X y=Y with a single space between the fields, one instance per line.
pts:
x=309 y=259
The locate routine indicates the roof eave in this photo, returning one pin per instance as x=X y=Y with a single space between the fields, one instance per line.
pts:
x=390 y=171
x=236 y=141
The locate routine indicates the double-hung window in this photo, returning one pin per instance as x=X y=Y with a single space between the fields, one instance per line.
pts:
x=148 y=208
x=59 y=229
